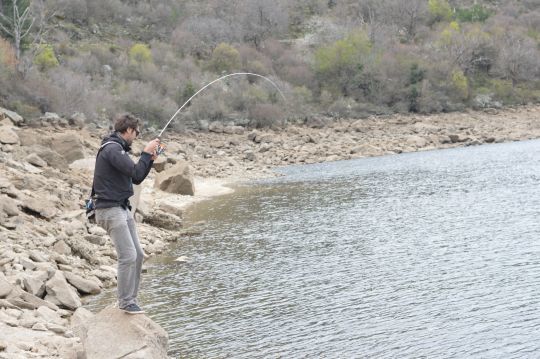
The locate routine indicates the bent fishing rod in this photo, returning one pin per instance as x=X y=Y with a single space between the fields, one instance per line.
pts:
x=211 y=83
x=161 y=148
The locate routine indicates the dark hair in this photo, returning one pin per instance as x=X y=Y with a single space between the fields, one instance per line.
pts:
x=124 y=121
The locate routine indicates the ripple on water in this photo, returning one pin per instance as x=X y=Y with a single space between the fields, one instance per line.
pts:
x=431 y=254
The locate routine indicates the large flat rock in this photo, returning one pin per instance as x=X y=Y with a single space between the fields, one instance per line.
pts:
x=114 y=334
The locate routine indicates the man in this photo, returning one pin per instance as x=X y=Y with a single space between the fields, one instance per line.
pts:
x=114 y=176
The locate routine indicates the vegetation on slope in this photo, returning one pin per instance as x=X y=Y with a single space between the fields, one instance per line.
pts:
x=341 y=58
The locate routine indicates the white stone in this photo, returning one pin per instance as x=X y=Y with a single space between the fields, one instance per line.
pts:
x=113 y=334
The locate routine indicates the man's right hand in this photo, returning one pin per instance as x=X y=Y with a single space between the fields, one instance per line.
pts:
x=151 y=148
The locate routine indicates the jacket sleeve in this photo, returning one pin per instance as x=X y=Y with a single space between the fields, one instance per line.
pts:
x=120 y=160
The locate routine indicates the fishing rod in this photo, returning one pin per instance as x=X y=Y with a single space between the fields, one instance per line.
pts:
x=161 y=148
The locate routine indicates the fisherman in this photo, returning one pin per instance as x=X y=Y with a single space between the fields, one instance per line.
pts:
x=114 y=176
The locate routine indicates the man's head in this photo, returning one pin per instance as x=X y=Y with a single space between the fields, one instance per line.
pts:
x=128 y=126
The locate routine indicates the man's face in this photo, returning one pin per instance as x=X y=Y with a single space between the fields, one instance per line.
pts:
x=131 y=135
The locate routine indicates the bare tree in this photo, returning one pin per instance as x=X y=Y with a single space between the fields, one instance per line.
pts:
x=26 y=22
x=17 y=23
x=408 y=16
x=263 y=19
x=518 y=58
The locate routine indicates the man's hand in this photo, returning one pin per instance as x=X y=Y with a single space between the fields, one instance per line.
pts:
x=151 y=148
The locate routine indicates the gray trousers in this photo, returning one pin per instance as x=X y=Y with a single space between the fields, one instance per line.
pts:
x=120 y=226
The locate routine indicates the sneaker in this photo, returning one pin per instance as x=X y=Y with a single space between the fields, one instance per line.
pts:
x=133 y=309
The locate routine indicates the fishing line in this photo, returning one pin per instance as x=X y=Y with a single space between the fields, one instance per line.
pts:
x=216 y=80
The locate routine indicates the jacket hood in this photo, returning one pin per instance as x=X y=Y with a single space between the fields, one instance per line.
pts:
x=115 y=137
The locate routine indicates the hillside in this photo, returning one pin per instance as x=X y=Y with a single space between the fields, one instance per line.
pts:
x=339 y=59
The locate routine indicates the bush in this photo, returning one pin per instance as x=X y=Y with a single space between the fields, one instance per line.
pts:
x=431 y=99
x=336 y=64
x=225 y=58
x=460 y=83
x=46 y=59
x=75 y=11
x=107 y=10
x=211 y=106
x=475 y=13
x=144 y=101
x=503 y=90
x=140 y=54
x=266 y=115
x=440 y=10
x=69 y=92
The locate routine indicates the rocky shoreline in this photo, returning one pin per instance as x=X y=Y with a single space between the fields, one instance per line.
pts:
x=52 y=259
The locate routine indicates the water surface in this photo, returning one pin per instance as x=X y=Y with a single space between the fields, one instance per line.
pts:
x=429 y=254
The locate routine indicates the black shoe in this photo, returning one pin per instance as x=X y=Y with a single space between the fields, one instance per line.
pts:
x=133 y=309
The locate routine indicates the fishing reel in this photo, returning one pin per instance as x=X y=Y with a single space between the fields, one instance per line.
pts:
x=160 y=149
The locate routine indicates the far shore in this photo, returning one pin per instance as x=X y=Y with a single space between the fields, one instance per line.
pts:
x=223 y=156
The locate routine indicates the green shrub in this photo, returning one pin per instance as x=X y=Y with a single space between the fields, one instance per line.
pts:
x=476 y=13
x=140 y=54
x=338 y=63
x=460 y=83
x=416 y=74
x=303 y=94
x=185 y=93
x=225 y=58
x=503 y=90
x=440 y=10
x=46 y=59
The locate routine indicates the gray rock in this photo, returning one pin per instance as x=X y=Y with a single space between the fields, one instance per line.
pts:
x=159 y=164
x=50 y=117
x=83 y=249
x=34 y=285
x=236 y=130
x=454 y=138
x=250 y=156
x=62 y=248
x=176 y=179
x=97 y=240
x=35 y=160
x=216 y=127
x=164 y=220
x=252 y=136
x=38 y=256
x=39 y=207
x=8 y=136
x=40 y=327
x=5 y=304
x=49 y=316
x=203 y=125
x=113 y=334
x=83 y=285
x=27 y=263
x=53 y=158
x=13 y=116
x=69 y=146
x=8 y=319
x=79 y=318
x=97 y=230
x=78 y=119
x=55 y=328
x=59 y=292
x=416 y=141
x=28 y=319
x=9 y=206
x=5 y=286
x=25 y=300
